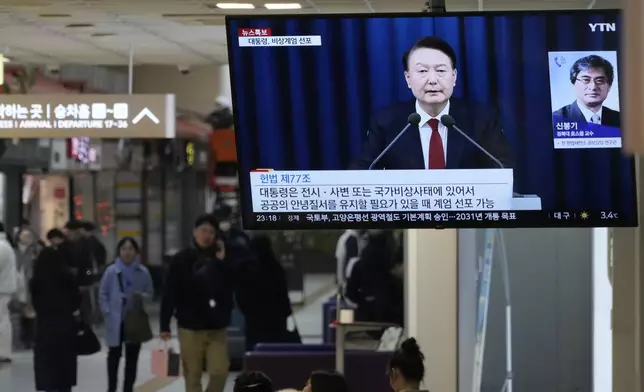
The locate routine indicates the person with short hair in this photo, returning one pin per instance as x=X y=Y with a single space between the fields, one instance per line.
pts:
x=592 y=78
x=79 y=256
x=55 y=237
x=199 y=293
x=326 y=381
x=252 y=381
x=407 y=367
x=430 y=70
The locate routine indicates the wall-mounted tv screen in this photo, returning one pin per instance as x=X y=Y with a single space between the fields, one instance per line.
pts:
x=468 y=120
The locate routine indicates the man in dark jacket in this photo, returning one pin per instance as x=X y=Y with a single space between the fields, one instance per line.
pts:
x=98 y=254
x=78 y=255
x=199 y=293
x=96 y=247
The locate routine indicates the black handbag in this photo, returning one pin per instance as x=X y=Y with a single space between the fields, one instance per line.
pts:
x=136 y=325
x=86 y=341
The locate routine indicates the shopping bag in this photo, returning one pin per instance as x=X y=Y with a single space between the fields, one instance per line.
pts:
x=166 y=363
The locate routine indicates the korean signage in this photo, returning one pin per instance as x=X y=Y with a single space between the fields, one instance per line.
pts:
x=378 y=190
x=263 y=37
x=95 y=116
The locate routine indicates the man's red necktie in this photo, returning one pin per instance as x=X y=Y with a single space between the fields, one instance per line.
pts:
x=436 y=152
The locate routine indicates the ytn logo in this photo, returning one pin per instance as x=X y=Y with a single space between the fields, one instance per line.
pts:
x=603 y=27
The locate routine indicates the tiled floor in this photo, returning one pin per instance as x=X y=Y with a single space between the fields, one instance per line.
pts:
x=18 y=377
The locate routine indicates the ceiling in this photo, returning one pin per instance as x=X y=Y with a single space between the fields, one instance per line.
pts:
x=175 y=32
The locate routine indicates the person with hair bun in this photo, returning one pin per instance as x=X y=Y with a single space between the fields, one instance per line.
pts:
x=407 y=367
x=326 y=381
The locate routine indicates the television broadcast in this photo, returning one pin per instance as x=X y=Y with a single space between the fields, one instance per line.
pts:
x=455 y=120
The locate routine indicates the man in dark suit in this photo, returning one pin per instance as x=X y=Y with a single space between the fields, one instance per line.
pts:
x=430 y=72
x=592 y=78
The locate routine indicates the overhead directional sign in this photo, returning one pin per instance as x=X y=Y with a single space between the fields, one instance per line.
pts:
x=96 y=116
x=145 y=113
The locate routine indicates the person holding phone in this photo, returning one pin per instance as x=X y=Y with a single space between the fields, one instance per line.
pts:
x=199 y=293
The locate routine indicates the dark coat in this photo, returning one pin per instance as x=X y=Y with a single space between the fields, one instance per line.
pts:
x=610 y=117
x=78 y=256
x=198 y=291
x=479 y=122
x=98 y=251
x=55 y=298
x=372 y=286
x=262 y=295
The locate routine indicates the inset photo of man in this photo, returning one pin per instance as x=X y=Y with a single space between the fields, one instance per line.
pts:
x=585 y=98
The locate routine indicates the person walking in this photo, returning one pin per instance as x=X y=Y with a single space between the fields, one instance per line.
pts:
x=122 y=281
x=199 y=293
x=79 y=256
x=8 y=287
x=98 y=255
x=56 y=300
x=27 y=249
x=262 y=295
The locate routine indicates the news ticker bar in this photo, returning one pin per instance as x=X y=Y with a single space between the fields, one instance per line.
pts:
x=442 y=219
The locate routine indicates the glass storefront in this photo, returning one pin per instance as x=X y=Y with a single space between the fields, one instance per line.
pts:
x=116 y=202
x=93 y=200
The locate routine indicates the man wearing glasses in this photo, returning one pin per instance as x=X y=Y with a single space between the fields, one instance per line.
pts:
x=430 y=73
x=592 y=78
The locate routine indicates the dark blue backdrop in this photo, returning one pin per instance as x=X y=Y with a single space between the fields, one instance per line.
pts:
x=307 y=108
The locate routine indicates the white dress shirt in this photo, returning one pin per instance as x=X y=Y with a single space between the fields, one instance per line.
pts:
x=588 y=115
x=426 y=131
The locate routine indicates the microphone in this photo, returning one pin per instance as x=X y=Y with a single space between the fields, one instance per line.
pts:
x=413 y=119
x=450 y=123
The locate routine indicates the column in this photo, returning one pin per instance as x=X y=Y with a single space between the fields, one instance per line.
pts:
x=224 y=82
x=627 y=259
x=431 y=302
x=190 y=209
x=627 y=304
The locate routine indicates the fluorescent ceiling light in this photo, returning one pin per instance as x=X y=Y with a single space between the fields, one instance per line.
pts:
x=283 y=6
x=235 y=6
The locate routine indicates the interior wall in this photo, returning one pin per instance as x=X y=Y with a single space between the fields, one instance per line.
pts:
x=54 y=202
x=551 y=292
x=195 y=91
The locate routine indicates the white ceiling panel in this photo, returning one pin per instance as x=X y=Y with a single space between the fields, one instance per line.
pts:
x=174 y=31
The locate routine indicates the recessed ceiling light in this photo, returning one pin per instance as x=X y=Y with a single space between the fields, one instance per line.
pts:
x=283 y=6
x=235 y=6
x=78 y=25
x=55 y=15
